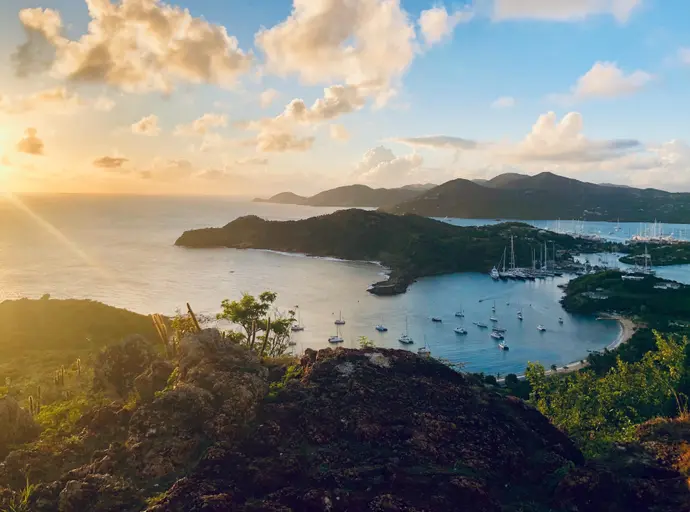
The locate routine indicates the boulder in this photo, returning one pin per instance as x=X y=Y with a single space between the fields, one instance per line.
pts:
x=154 y=379
x=16 y=425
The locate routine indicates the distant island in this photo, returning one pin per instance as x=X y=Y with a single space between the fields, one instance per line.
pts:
x=351 y=196
x=410 y=245
x=546 y=196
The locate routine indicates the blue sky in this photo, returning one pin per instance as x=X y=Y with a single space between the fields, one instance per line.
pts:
x=422 y=107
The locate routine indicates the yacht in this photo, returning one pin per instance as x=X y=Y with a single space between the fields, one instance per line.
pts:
x=340 y=320
x=405 y=338
x=503 y=346
x=424 y=351
x=541 y=328
x=496 y=335
x=499 y=329
x=493 y=319
x=560 y=319
x=481 y=325
x=335 y=339
x=381 y=328
x=436 y=319
x=298 y=327
x=460 y=330
x=519 y=315
x=494 y=274
x=460 y=314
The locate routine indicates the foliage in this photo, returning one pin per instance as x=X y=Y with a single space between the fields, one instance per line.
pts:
x=20 y=501
x=365 y=342
x=59 y=419
x=267 y=336
x=293 y=372
x=597 y=410
x=665 y=254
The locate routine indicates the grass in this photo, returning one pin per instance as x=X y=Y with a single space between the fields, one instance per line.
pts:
x=20 y=502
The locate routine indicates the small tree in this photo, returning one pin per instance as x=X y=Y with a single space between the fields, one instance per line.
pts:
x=554 y=367
x=365 y=342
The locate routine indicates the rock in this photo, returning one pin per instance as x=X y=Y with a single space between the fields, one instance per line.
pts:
x=154 y=379
x=99 y=493
x=16 y=425
x=118 y=365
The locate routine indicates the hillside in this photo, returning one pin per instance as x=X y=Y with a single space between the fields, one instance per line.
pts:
x=411 y=246
x=351 y=196
x=343 y=430
x=546 y=196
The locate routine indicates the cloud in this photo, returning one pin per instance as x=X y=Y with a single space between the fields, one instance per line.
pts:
x=369 y=43
x=281 y=142
x=57 y=100
x=437 y=142
x=104 y=104
x=30 y=144
x=202 y=125
x=436 y=24
x=380 y=166
x=267 y=97
x=503 y=102
x=339 y=132
x=147 y=126
x=607 y=80
x=137 y=46
x=563 y=10
x=562 y=142
x=167 y=170
x=110 y=162
x=684 y=55
x=252 y=162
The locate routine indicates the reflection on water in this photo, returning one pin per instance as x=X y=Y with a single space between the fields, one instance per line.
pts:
x=131 y=240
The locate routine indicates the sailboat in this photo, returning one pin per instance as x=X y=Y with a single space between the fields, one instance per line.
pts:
x=541 y=328
x=298 y=327
x=460 y=330
x=503 y=346
x=424 y=351
x=519 y=315
x=493 y=308
x=494 y=274
x=337 y=338
x=340 y=320
x=405 y=338
x=460 y=314
x=496 y=335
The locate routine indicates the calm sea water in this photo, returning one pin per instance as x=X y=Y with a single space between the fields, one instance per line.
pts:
x=119 y=250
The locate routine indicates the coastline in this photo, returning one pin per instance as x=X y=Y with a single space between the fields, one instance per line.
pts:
x=628 y=328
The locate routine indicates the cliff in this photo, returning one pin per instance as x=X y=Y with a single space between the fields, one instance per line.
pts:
x=341 y=430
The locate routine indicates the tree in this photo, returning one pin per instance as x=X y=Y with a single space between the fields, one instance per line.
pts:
x=511 y=380
x=268 y=335
x=365 y=342
x=554 y=367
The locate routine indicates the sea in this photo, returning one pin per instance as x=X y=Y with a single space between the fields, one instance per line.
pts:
x=120 y=250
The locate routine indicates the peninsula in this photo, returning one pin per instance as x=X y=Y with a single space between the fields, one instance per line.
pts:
x=409 y=245
x=660 y=255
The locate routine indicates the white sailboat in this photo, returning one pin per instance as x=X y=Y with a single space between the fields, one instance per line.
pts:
x=298 y=327
x=405 y=339
x=337 y=338
x=424 y=351
x=340 y=320
x=519 y=315
x=460 y=314
x=541 y=328
x=460 y=330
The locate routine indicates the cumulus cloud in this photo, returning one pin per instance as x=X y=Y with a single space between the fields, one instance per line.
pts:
x=562 y=142
x=503 y=102
x=563 y=10
x=379 y=166
x=437 y=142
x=369 y=43
x=436 y=24
x=137 y=46
x=110 y=162
x=339 y=132
x=57 y=100
x=30 y=143
x=251 y=162
x=281 y=142
x=203 y=125
x=267 y=97
x=607 y=80
x=147 y=126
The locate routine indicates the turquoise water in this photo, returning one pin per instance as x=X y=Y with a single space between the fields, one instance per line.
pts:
x=119 y=250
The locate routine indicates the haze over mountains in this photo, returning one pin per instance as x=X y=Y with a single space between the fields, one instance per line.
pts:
x=512 y=196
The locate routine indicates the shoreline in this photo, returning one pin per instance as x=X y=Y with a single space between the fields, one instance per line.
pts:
x=628 y=328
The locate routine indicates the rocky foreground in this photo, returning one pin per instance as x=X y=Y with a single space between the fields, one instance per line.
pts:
x=344 y=430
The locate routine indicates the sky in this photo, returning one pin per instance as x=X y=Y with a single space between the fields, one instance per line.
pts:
x=241 y=98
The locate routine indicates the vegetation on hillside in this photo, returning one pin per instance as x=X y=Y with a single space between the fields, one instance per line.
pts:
x=661 y=255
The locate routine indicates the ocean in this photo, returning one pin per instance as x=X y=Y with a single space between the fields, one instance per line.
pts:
x=119 y=250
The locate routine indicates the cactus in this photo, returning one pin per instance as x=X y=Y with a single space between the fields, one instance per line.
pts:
x=162 y=330
x=268 y=332
x=193 y=317
x=78 y=367
x=38 y=400
x=32 y=406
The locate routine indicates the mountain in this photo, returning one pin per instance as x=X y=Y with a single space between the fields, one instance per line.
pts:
x=420 y=187
x=352 y=196
x=411 y=246
x=546 y=196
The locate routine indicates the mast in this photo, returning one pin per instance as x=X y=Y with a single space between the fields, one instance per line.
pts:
x=512 y=253
x=504 y=259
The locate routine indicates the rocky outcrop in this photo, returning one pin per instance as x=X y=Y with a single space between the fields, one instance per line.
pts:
x=154 y=379
x=16 y=425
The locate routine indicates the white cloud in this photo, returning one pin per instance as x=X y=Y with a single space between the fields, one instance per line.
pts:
x=55 y=101
x=110 y=163
x=147 y=126
x=339 y=132
x=267 y=97
x=281 y=142
x=380 y=167
x=607 y=80
x=138 y=46
x=104 y=104
x=369 y=43
x=251 y=162
x=437 y=142
x=167 y=170
x=30 y=143
x=436 y=24
x=563 y=10
x=202 y=125
x=684 y=55
x=503 y=102
x=667 y=164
